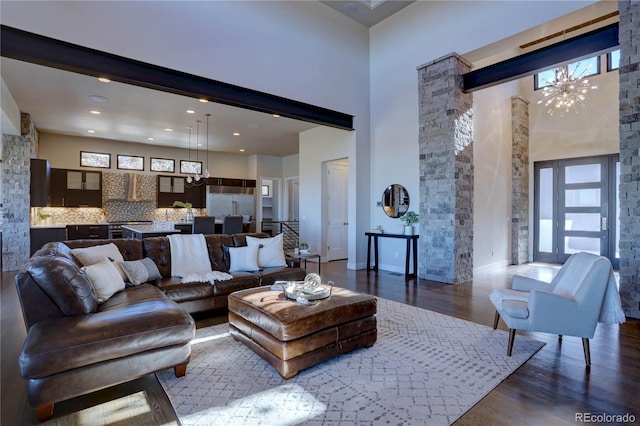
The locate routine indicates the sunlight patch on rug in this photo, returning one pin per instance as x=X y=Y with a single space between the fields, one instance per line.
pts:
x=425 y=368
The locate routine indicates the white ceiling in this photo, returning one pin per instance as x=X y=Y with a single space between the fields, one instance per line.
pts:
x=368 y=12
x=59 y=102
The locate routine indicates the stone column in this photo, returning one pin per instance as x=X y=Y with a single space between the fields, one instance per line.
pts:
x=519 y=180
x=446 y=172
x=629 y=191
x=15 y=177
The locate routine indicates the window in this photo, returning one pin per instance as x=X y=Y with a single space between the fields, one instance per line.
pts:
x=190 y=167
x=584 y=67
x=613 y=60
x=130 y=162
x=95 y=159
x=163 y=165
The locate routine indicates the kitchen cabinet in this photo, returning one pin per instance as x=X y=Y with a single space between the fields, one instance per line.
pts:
x=88 y=232
x=39 y=236
x=76 y=188
x=39 y=185
x=175 y=188
x=245 y=183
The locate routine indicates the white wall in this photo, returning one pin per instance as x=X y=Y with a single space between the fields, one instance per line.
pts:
x=492 y=175
x=10 y=113
x=318 y=146
x=290 y=166
x=421 y=32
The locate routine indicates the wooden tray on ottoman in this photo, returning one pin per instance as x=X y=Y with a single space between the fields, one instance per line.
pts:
x=291 y=336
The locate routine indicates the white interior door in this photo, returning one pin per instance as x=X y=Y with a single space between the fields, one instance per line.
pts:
x=337 y=209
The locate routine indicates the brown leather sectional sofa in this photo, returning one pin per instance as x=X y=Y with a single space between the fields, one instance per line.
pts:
x=75 y=345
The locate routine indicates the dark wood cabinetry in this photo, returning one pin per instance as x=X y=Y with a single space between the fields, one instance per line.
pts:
x=175 y=188
x=40 y=179
x=246 y=183
x=91 y=232
x=76 y=188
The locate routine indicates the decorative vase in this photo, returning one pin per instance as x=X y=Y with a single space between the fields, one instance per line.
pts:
x=408 y=230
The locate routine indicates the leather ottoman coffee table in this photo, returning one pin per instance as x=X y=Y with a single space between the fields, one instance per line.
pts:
x=291 y=336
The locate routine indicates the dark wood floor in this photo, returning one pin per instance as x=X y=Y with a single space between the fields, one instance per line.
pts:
x=550 y=389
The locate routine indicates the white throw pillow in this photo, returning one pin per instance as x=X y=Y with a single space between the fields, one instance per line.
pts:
x=270 y=253
x=90 y=255
x=105 y=278
x=243 y=258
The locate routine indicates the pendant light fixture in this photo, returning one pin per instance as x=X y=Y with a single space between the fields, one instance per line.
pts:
x=195 y=179
x=566 y=91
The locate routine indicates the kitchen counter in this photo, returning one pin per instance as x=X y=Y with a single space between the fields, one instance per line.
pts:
x=144 y=231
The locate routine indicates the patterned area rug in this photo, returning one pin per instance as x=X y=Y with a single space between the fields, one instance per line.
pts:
x=426 y=368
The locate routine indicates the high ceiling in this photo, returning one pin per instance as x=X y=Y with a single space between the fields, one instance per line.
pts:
x=61 y=102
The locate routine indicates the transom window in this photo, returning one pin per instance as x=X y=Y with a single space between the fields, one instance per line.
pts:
x=584 y=67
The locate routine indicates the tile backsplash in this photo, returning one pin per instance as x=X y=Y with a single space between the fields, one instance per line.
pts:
x=115 y=207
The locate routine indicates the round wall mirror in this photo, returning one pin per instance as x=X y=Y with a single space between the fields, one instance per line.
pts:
x=395 y=200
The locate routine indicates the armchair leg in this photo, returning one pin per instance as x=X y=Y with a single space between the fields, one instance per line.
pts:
x=180 y=370
x=587 y=352
x=44 y=412
x=512 y=335
x=495 y=320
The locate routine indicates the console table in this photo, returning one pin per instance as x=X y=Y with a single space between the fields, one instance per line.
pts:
x=412 y=242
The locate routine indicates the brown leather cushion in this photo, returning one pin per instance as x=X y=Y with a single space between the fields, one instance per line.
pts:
x=148 y=322
x=64 y=283
x=287 y=320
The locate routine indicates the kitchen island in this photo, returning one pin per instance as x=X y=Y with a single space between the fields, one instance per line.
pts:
x=139 y=232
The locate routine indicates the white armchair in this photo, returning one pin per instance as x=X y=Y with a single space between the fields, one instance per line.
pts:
x=582 y=293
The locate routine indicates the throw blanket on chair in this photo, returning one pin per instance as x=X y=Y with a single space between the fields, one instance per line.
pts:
x=611 y=312
x=189 y=254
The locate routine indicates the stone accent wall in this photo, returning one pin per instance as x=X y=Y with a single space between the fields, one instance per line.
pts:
x=446 y=172
x=28 y=129
x=519 y=180
x=16 y=168
x=629 y=73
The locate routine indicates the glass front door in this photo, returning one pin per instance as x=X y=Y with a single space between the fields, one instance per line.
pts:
x=576 y=208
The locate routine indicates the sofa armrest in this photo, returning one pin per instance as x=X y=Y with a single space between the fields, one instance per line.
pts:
x=522 y=283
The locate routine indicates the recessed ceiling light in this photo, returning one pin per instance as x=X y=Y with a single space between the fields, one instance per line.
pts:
x=276 y=115
x=241 y=149
x=151 y=139
x=190 y=111
x=203 y=100
x=199 y=144
x=104 y=79
x=93 y=111
x=91 y=131
x=236 y=134
x=97 y=98
x=168 y=130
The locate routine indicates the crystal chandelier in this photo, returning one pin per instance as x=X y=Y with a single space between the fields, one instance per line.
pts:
x=566 y=90
x=195 y=179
